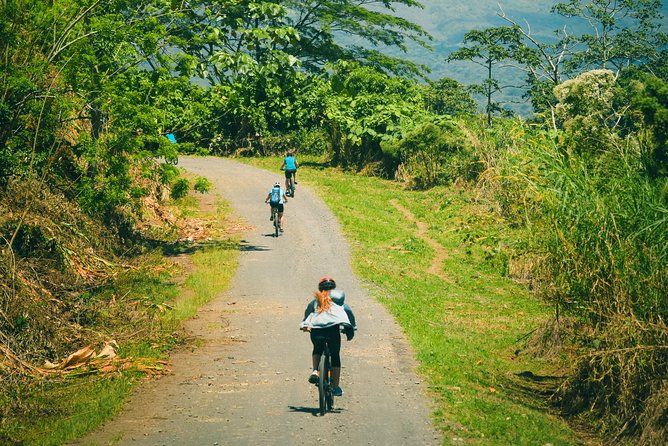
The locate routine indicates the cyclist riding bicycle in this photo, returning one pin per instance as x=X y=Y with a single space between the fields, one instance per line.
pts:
x=290 y=165
x=324 y=316
x=276 y=199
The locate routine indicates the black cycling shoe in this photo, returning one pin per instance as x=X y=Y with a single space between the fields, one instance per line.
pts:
x=313 y=377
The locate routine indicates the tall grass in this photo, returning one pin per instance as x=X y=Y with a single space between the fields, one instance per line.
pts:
x=604 y=235
x=598 y=251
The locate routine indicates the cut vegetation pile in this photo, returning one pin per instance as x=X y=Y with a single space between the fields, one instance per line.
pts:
x=77 y=300
x=54 y=258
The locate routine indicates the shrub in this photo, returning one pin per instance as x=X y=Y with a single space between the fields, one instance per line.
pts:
x=180 y=188
x=202 y=185
x=433 y=153
x=167 y=173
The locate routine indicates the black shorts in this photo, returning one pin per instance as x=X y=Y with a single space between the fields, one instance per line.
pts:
x=279 y=206
x=333 y=337
x=289 y=173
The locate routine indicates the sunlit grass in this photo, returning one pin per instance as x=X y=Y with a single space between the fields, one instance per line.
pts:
x=61 y=410
x=214 y=268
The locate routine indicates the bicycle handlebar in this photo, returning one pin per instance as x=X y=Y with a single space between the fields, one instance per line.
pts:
x=342 y=328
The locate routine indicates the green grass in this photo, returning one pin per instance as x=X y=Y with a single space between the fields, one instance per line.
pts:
x=464 y=323
x=215 y=267
x=59 y=410
x=53 y=410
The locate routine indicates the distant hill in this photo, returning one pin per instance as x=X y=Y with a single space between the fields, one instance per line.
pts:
x=448 y=20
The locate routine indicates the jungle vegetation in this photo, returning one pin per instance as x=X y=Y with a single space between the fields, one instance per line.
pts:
x=90 y=88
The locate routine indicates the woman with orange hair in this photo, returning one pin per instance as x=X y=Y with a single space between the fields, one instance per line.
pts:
x=324 y=317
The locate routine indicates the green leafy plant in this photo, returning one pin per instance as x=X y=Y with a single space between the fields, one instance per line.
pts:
x=427 y=154
x=202 y=185
x=180 y=188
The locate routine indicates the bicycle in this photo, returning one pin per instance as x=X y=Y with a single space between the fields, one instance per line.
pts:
x=291 y=187
x=277 y=223
x=325 y=385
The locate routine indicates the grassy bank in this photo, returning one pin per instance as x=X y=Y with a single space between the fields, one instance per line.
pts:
x=438 y=260
x=142 y=310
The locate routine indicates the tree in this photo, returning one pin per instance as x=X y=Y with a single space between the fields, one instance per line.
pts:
x=489 y=48
x=543 y=63
x=321 y=25
x=647 y=98
x=78 y=79
x=254 y=51
x=586 y=112
x=239 y=47
x=366 y=107
x=223 y=40
x=448 y=97
x=623 y=33
x=111 y=39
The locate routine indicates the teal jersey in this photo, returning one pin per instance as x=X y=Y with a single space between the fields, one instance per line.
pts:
x=290 y=163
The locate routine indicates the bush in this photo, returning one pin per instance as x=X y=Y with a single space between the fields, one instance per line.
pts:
x=180 y=188
x=432 y=154
x=202 y=185
x=167 y=173
x=310 y=141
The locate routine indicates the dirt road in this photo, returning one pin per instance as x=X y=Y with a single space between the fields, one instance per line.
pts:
x=247 y=384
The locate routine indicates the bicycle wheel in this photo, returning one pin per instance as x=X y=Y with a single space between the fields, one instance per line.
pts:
x=323 y=383
x=277 y=224
x=292 y=188
x=329 y=389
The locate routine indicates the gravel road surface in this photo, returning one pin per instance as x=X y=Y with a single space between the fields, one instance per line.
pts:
x=247 y=383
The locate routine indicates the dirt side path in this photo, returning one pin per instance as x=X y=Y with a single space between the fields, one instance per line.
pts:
x=247 y=384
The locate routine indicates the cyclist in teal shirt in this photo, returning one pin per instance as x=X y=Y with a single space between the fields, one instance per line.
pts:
x=290 y=165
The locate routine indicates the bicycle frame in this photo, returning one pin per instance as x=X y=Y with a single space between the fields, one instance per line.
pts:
x=277 y=224
x=325 y=386
x=291 y=186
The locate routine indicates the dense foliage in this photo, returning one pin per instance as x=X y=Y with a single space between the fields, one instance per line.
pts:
x=91 y=88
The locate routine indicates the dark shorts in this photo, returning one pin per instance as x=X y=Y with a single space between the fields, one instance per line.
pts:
x=333 y=337
x=279 y=206
x=289 y=173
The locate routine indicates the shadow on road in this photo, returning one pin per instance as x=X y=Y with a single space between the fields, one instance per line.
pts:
x=190 y=247
x=247 y=247
x=311 y=410
x=271 y=234
x=187 y=247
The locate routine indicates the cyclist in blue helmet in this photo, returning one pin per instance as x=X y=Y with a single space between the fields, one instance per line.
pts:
x=276 y=198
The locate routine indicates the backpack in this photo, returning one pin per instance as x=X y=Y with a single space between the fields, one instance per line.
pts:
x=275 y=195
